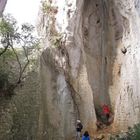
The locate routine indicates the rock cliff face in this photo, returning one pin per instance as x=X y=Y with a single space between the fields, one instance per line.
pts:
x=90 y=58
x=2 y=6
x=127 y=107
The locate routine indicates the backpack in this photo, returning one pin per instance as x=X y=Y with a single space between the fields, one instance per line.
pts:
x=80 y=126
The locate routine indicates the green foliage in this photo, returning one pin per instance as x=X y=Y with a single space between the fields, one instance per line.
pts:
x=6 y=28
x=3 y=80
x=50 y=10
x=100 y=116
x=6 y=73
x=17 y=44
x=47 y=8
x=8 y=54
x=26 y=28
x=132 y=134
x=56 y=41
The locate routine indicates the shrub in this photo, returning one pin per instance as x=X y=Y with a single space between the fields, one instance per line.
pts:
x=132 y=134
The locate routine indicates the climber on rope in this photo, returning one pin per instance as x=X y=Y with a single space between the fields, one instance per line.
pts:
x=106 y=112
x=79 y=128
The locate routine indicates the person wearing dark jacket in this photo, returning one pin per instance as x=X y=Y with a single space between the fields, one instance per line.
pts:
x=86 y=136
x=79 y=128
x=106 y=112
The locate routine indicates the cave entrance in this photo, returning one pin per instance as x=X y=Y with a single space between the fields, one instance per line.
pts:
x=104 y=117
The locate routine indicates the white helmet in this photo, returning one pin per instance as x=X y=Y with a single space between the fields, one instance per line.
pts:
x=78 y=121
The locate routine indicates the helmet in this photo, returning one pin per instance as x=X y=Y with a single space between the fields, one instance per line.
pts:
x=78 y=121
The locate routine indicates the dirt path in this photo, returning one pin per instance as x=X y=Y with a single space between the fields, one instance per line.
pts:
x=106 y=132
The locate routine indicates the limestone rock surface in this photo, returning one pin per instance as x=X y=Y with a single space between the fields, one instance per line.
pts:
x=91 y=57
x=2 y=6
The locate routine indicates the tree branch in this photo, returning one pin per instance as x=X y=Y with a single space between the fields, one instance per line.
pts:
x=25 y=66
x=20 y=67
x=5 y=49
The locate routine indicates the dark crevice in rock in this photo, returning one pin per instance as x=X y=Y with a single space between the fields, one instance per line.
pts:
x=98 y=21
x=124 y=50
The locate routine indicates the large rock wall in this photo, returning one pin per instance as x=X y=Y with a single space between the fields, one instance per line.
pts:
x=95 y=62
x=2 y=6
x=127 y=109
x=66 y=93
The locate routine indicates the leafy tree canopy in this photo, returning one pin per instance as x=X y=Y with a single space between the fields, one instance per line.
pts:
x=14 y=38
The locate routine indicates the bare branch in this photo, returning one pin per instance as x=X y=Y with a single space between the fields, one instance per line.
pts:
x=25 y=66
x=5 y=49
x=7 y=45
x=20 y=67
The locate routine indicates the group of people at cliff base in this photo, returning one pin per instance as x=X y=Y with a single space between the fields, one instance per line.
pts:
x=79 y=128
x=108 y=117
x=85 y=136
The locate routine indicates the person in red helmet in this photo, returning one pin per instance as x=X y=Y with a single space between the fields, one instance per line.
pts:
x=106 y=111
